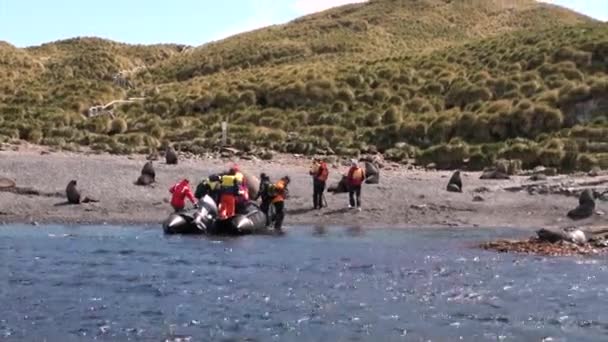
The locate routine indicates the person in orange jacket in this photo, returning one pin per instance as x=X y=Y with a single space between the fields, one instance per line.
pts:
x=279 y=193
x=319 y=173
x=355 y=178
x=180 y=191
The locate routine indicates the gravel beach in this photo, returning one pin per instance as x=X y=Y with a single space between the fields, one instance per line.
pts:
x=403 y=199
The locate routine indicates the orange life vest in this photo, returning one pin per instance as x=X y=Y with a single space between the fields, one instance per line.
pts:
x=279 y=189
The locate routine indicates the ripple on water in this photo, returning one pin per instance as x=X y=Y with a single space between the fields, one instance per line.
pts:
x=125 y=284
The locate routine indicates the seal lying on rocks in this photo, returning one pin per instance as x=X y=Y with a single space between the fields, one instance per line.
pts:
x=73 y=194
x=148 y=176
x=494 y=174
x=573 y=235
x=585 y=208
x=170 y=156
x=455 y=183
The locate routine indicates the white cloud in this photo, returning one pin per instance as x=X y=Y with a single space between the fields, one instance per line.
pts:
x=311 y=6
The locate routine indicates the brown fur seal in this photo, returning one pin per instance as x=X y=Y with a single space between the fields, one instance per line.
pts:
x=340 y=187
x=568 y=234
x=170 y=156
x=144 y=180
x=148 y=176
x=494 y=174
x=586 y=206
x=148 y=169
x=455 y=183
x=73 y=194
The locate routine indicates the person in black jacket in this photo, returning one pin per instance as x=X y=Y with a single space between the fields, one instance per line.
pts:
x=264 y=194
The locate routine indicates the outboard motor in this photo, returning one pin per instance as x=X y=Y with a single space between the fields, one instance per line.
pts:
x=205 y=217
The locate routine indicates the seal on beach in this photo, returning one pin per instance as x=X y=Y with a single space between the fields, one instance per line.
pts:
x=585 y=208
x=73 y=194
x=340 y=187
x=494 y=174
x=170 y=156
x=573 y=235
x=455 y=183
x=148 y=176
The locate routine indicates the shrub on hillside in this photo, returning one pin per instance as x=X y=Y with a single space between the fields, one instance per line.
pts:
x=464 y=93
x=391 y=116
x=551 y=157
x=446 y=156
x=587 y=162
x=35 y=136
x=118 y=126
x=527 y=153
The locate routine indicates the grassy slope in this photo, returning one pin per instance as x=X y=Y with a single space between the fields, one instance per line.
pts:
x=439 y=81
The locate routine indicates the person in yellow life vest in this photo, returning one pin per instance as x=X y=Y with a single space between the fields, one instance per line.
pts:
x=243 y=190
x=279 y=193
x=355 y=178
x=209 y=186
x=229 y=190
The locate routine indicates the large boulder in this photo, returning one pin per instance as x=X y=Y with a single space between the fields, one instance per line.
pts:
x=6 y=183
x=372 y=173
x=253 y=184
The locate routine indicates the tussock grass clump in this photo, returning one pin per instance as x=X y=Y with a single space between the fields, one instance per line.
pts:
x=586 y=162
x=342 y=79
x=445 y=156
x=118 y=126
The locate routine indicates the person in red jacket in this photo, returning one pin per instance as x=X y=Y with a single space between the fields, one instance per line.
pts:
x=355 y=178
x=180 y=191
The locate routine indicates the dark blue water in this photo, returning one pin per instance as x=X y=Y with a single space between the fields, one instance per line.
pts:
x=118 y=284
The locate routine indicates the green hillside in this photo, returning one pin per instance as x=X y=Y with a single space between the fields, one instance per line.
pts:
x=456 y=83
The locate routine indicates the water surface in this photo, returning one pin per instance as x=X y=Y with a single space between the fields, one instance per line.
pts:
x=118 y=284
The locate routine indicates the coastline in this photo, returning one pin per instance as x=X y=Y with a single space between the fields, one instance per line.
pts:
x=405 y=198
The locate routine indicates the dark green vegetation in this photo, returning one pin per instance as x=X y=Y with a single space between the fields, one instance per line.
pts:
x=448 y=82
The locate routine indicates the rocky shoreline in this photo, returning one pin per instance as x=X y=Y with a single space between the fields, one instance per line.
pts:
x=406 y=197
x=595 y=243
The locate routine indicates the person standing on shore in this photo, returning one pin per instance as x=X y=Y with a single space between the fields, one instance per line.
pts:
x=279 y=194
x=180 y=192
x=264 y=194
x=319 y=173
x=355 y=178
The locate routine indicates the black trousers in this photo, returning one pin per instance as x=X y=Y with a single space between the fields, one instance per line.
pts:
x=265 y=207
x=279 y=212
x=354 y=192
x=317 y=194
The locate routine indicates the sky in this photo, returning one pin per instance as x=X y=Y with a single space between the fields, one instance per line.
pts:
x=192 y=22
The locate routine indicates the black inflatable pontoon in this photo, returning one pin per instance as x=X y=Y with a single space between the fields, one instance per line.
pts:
x=249 y=220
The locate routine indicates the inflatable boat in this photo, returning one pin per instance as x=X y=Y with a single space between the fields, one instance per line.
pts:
x=204 y=220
